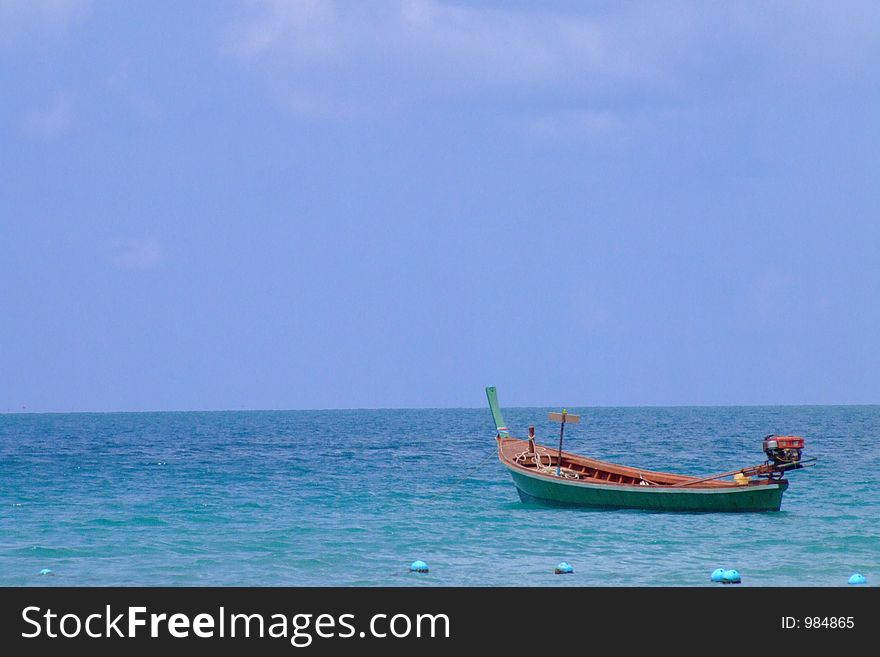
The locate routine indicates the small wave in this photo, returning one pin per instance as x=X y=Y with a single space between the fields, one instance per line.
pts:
x=42 y=551
x=136 y=521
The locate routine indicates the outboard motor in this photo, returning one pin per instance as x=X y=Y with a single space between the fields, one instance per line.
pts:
x=784 y=451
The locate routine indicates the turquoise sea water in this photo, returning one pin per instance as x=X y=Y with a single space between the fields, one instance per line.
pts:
x=353 y=497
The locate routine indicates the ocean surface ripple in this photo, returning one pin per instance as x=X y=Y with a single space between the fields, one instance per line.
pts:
x=343 y=498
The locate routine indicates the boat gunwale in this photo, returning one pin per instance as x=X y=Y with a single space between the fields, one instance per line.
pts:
x=627 y=471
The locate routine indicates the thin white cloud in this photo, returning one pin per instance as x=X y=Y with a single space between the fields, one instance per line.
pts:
x=52 y=121
x=19 y=18
x=371 y=54
x=569 y=124
x=138 y=254
x=334 y=59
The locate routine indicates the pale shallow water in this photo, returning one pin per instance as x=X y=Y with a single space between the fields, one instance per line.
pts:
x=340 y=498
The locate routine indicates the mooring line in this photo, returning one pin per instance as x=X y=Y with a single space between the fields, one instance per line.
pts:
x=456 y=483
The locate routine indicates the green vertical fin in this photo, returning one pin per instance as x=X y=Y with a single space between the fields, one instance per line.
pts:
x=500 y=425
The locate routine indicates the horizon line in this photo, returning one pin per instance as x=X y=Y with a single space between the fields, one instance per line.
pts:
x=428 y=408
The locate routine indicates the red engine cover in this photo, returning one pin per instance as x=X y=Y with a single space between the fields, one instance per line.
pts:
x=789 y=442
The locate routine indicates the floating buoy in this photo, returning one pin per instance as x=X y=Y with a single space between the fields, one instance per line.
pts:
x=46 y=571
x=419 y=567
x=857 y=579
x=564 y=568
x=718 y=575
x=731 y=577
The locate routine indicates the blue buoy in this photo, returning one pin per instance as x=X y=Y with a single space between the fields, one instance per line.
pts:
x=419 y=567
x=46 y=571
x=731 y=577
x=718 y=575
x=564 y=568
x=857 y=579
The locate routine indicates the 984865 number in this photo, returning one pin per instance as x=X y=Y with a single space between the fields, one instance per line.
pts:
x=829 y=622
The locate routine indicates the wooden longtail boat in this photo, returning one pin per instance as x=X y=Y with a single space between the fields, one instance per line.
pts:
x=552 y=476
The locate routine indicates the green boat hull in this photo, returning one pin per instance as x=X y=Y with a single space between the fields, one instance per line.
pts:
x=560 y=492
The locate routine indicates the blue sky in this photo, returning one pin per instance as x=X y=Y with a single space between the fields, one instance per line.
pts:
x=236 y=205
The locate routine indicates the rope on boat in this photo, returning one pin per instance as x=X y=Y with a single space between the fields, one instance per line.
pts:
x=536 y=458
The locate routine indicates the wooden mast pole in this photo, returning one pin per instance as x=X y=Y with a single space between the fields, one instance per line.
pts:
x=561 y=433
x=563 y=418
